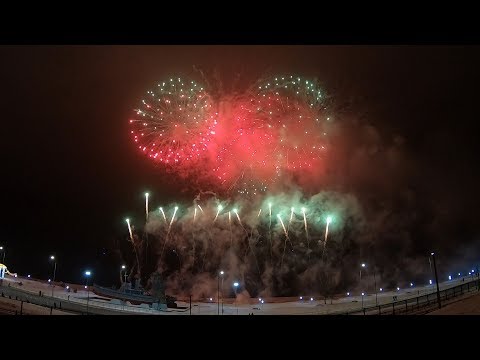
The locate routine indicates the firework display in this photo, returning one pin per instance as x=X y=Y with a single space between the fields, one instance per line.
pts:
x=245 y=142
x=174 y=123
x=259 y=241
x=242 y=146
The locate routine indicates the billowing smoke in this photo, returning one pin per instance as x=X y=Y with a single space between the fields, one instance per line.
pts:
x=272 y=245
x=280 y=241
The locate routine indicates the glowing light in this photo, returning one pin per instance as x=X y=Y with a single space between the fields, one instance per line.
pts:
x=430 y=281
x=129 y=229
x=329 y=219
x=163 y=213
x=449 y=277
x=146 y=205
x=88 y=273
x=219 y=208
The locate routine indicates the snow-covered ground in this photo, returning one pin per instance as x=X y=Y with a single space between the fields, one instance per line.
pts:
x=275 y=306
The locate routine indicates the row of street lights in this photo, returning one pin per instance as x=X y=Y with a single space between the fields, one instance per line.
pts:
x=236 y=284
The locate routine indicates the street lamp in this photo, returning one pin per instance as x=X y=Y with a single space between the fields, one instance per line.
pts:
x=124 y=268
x=87 y=274
x=235 y=285
x=3 y=251
x=363 y=265
x=218 y=292
x=362 y=298
x=54 y=271
x=436 y=280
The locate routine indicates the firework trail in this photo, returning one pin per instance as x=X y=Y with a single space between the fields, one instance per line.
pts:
x=129 y=230
x=168 y=231
x=286 y=237
x=329 y=220
x=164 y=217
x=306 y=228
x=290 y=221
x=238 y=217
x=194 y=214
x=133 y=244
x=146 y=206
x=200 y=209
x=219 y=208
x=259 y=212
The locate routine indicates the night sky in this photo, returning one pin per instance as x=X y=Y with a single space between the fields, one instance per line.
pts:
x=71 y=173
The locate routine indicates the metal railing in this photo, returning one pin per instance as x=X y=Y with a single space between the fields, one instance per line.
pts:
x=75 y=305
x=418 y=304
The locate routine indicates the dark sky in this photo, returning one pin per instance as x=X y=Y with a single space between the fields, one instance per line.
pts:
x=71 y=174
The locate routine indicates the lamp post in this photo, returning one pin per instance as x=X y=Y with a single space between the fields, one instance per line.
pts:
x=3 y=251
x=361 y=266
x=362 y=298
x=54 y=271
x=87 y=274
x=235 y=285
x=220 y=274
x=124 y=268
x=436 y=280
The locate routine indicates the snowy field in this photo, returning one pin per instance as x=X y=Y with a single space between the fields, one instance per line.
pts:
x=274 y=306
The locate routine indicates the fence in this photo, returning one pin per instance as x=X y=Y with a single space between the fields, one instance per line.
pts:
x=418 y=304
x=76 y=305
